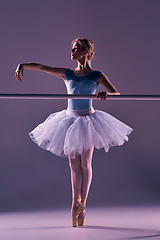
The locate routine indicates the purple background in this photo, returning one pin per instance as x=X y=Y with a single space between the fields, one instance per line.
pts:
x=127 y=48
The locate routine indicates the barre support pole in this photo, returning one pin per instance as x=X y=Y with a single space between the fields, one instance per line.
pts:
x=71 y=96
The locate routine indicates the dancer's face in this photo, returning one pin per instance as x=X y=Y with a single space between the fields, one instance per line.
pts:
x=77 y=52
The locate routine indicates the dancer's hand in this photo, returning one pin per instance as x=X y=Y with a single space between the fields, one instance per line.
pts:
x=102 y=95
x=19 y=71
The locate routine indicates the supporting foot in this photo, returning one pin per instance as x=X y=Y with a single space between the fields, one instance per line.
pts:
x=78 y=212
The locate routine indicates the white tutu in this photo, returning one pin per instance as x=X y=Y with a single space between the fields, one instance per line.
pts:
x=65 y=135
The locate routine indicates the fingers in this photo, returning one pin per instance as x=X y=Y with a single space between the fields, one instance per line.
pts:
x=102 y=95
x=18 y=76
x=19 y=72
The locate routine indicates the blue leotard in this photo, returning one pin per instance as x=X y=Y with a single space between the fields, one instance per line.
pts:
x=86 y=84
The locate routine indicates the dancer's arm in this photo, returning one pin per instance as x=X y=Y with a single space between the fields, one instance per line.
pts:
x=55 y=71
x=103 y=79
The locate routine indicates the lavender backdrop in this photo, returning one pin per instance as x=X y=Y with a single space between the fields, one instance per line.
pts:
x=127 y=44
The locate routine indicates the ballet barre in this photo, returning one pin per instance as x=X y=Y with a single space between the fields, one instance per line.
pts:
x=71 y=96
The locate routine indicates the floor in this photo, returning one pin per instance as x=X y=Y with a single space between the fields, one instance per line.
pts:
x=101 y=223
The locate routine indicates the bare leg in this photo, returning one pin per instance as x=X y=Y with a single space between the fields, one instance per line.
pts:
x=81 y=177
x=76 y=180
x=76 y=176
x=86 y=164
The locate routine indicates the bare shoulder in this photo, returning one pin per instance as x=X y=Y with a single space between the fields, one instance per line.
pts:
x=60 y=72
x=103 y=79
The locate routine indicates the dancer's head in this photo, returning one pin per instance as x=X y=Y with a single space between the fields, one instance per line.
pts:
x=82 y=48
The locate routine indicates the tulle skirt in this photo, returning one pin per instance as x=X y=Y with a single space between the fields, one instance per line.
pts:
x=65 y=134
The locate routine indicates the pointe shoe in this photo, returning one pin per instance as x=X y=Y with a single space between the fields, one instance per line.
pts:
x=75 y=211
x=81 y=217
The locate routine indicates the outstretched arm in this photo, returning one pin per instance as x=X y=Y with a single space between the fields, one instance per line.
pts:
x=58 y=72
x=107 y=84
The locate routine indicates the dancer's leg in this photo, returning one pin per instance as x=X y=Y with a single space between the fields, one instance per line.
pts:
x=76 y=180
x=76 y=176
x=86 y=164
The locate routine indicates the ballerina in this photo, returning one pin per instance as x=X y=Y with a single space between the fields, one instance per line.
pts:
x=75 y=131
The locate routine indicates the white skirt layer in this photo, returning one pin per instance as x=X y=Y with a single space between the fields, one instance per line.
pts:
x=65 y=135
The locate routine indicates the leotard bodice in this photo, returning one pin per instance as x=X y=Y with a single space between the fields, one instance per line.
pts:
x=86 y=84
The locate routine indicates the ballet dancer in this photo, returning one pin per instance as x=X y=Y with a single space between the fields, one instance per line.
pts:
x=75 y=131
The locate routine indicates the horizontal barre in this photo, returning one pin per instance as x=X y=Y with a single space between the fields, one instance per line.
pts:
x=71 y=96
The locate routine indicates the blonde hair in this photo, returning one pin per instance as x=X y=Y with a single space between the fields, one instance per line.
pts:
x=85 y=43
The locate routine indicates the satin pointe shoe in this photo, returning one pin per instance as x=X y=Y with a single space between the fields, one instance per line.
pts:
x=75 y=211
x=82 y=215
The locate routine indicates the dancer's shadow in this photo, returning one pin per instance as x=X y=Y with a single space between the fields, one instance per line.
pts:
x=117 y=228
x=153 y=233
